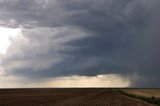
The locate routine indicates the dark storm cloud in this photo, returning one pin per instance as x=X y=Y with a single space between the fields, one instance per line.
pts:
x=83 y=37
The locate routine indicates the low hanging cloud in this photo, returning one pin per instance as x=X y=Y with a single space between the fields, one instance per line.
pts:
x=109 y=80
x=86 y=81
x=61 y=38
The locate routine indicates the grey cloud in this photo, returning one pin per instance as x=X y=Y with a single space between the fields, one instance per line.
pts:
x=34 y=52
x=83 y=37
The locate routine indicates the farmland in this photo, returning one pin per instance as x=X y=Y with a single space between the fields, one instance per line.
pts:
x=145 y=92
x=67 y=97
x=149 y=95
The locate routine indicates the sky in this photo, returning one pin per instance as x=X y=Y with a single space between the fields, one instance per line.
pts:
x=79 y=43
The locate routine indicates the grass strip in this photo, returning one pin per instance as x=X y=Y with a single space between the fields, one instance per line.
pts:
x=151 y=100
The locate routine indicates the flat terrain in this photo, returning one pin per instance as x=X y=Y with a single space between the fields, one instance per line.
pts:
x=66 y=97
x=145 y=92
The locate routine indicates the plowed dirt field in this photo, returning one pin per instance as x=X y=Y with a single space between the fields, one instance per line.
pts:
x=66 y=97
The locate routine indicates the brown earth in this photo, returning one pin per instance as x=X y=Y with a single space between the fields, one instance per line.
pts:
x=66 y=97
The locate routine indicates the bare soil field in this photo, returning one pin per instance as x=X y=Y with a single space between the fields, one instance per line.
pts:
x=66 y=97
x=145 y=92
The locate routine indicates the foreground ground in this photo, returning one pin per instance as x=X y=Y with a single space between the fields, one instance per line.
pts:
x=66 y=97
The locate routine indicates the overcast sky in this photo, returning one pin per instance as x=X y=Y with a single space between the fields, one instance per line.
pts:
x=79 y=43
